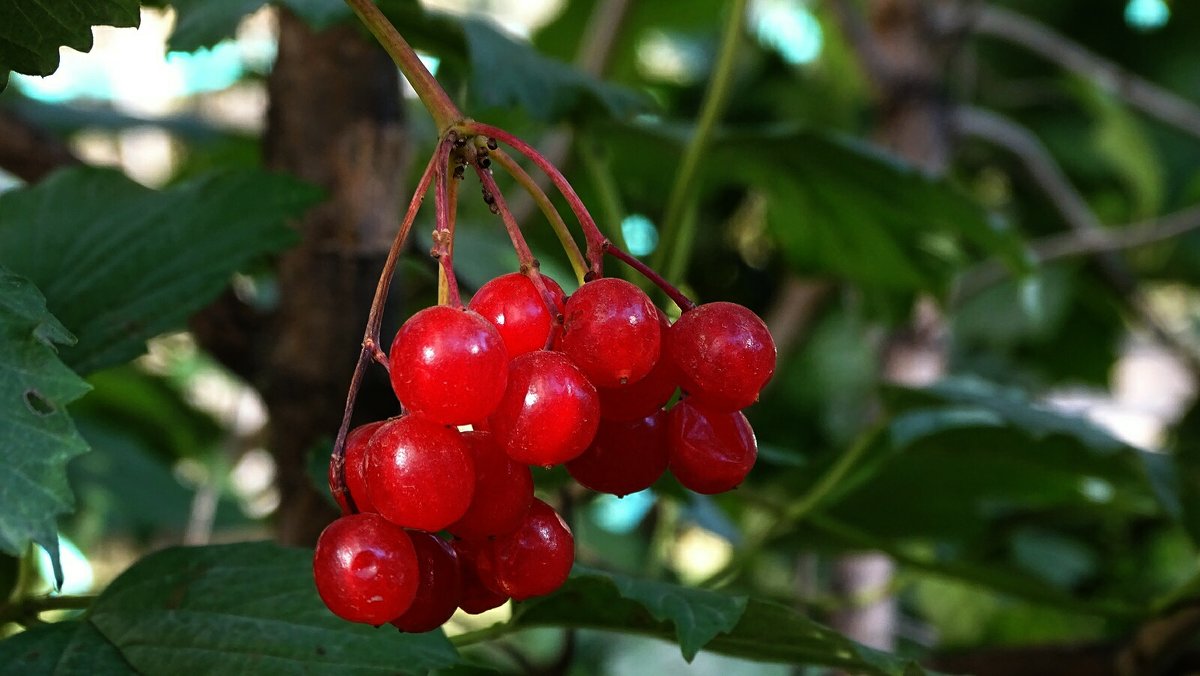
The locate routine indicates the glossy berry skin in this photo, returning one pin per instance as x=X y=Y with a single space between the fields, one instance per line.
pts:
x=449 y=365
x=625 y=457
x=549 y=413
x=440 y=585
x=477 y=596
x=611 y=332
x=419 y=474
x=514 y=306
x=536 y=558
x=356 y=464
x=365 y=569
x=646 y=396
x=710 y=451
x=724 y=354
x=503 y=491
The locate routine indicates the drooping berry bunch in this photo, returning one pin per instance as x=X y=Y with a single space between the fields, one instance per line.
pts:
x=523 y=375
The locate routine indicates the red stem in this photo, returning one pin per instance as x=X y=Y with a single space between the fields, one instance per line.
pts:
x=648 y=272
x=443 y=235
x=370 y=345
x=529 y=265
x=592 y=236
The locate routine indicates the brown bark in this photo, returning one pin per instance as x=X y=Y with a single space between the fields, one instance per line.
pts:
x=28 y=151
x=334 y=120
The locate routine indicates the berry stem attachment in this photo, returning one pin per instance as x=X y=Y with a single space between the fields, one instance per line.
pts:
x=646 y=271
x=443 y=234
x=529 y=264
x=437 y=102
x=593 y=237
x=522 y=177
x=370 y=345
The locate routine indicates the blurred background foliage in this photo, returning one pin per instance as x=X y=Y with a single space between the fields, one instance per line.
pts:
x=971 y=227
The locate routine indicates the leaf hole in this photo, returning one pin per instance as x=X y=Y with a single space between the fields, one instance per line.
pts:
x=37 y=403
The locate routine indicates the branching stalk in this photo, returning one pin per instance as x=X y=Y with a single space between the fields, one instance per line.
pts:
x=437 y=102
x=370 y=345
x=522 y=177
x=593 y=237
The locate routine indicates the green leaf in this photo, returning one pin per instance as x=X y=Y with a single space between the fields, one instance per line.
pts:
x=699 y=619
x=839 y=207
x=37 y=437
x=506 y=73
x=69 y=648
x=247 y=608
x=120 y=263
x=31 y=31
x=204 y=23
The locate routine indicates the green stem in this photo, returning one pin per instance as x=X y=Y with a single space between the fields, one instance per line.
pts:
x=795 y=513
x=29 y=608
x=522 y=177
x=676 y=225
x=437 y=101
x=498 y=630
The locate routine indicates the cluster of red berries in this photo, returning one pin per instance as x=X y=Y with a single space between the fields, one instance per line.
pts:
x=540 y=379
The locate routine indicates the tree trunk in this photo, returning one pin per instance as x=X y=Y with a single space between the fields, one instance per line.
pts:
x=334 y=120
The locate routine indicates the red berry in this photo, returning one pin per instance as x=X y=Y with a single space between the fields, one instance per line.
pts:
x=549 y=413
x=637 y=400
x=513 y=304
x=503 y=491
x=440 y=586
x=724 y=354
x=356 y=464
x=710 y=451
x=365 y=569
x=536 y=558
x=476 y=595
x=448 y=365
x=419 y=474
x=611 y=332
x=626 y=457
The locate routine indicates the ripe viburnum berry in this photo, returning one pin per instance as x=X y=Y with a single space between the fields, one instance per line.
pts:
x=440 y=585
x=503 y=491
x=478 y=595
x=549 y=413
x=450 y=365
x=536 y=558
x=365 y=569
x=642 y=398
x=419 y=474
x=356 y=462
x=513 y=304
x=611 y=332
x=625 y=457
x=724 y=355
x=710 y=451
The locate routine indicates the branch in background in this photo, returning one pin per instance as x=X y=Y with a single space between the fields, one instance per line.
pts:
x=1132 y=236
x=28 y=151
x=595 y=52
x=1038 y=38
x=1084 y=224
x=1158 y=644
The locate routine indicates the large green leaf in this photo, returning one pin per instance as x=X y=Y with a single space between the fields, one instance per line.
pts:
x=69 y=648
x=120 y=263
x=840 y=207
x=706 y=620
x=507 y=73
x=37 y=437
x=246 y=608
x=204 y=23
x=31 y=31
